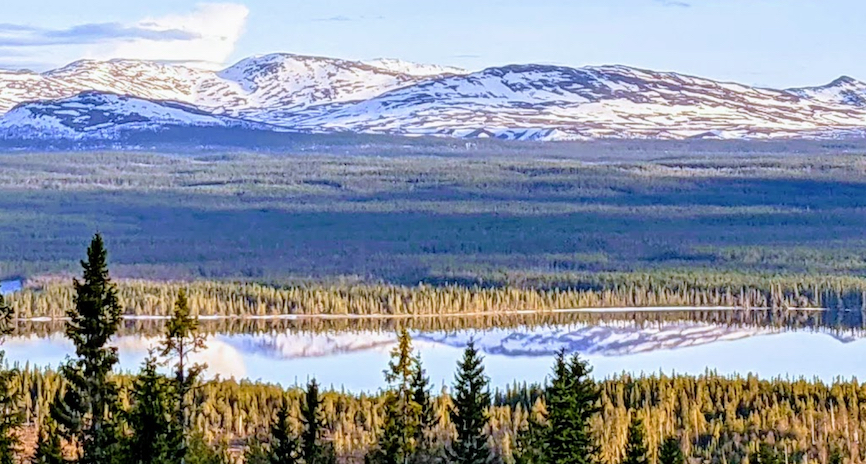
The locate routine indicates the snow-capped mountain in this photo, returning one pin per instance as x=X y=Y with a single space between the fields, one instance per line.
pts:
x=96 y=115
x=525 y=102
x=616 y=339
x=844 y=90
x=550 y=102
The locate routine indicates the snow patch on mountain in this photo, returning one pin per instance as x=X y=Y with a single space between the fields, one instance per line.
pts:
x=95 y=115
x=386 y=96
x=610 y=339
x=843 y=91
x=414 y=69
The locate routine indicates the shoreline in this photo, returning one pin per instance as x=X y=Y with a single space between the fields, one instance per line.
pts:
x=519 y=312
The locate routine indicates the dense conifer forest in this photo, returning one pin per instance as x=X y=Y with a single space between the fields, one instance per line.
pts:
x=442 y=238
x=86 y=413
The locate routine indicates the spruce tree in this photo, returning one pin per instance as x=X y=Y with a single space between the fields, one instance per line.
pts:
x=88 y=411
x=284 y=447
x=150 y=419
x=572 y=401
x=11 y=416
x=531 y=442
x=182 y=339
x=48 y=446
x=469 y=412
x=636 y=449
x=313 y=451
x=670 y=452
x=424 y=445
x=402 y=414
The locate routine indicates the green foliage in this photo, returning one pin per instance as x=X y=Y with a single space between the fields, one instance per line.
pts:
x=413 y=214
x=11 y=416
x=636 y=451
x=313 y=450
x=89 y=409
x=152 y=439
x=469 y=413
x=182 y=339
x=572 y=401
x=404 y=419
x=765 y=454
x=670 y=452
x=48 y=446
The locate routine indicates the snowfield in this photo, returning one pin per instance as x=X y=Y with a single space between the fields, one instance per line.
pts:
x=519 y=102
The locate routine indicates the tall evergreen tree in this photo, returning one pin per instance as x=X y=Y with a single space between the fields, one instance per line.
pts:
x=150 y=419
x=402 y=414
x=88 y=411
x=313 y=451
x=469 y=413
x=11 y=416
x=670 y=452
x=48 y=447
x=425 y=451
x=531 y=443
x=636 y=451
x=572 y=401
x=284 y=447
x=182 y=339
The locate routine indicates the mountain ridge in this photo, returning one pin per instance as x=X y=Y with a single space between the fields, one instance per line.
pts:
x=543 y=102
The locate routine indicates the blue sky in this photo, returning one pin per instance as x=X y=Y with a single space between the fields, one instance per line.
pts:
x=777 y=43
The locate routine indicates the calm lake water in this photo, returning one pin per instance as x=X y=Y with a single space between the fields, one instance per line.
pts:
x=355 y=360
x=9 y=286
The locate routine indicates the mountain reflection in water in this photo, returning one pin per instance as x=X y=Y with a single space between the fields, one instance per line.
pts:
x=354 y=360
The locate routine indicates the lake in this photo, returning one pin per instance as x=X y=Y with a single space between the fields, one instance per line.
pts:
x=354 y=359
x=9 y=286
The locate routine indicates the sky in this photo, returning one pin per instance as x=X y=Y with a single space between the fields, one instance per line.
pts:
x=773 y=43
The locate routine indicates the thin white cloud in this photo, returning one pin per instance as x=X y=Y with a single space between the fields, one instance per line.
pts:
x=14 y=35
x=204 y=37
x=674 y=3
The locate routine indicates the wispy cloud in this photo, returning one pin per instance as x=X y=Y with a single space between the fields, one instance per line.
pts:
x=207 y=34
x=337 y=18
x=343 y=18
x=674 y=3
x=14 y=35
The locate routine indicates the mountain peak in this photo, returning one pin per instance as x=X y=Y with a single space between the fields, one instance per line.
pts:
x=414 y=69
x=391 y=96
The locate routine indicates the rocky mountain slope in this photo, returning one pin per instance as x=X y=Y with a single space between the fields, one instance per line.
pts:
x=524 y=102
x=105 y=116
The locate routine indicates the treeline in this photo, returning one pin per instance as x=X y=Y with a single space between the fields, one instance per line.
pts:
x=713 y=418
x=598 y=290
x=844 y=322
x=85 y=413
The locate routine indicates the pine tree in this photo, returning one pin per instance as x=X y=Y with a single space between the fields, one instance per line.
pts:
x=531 y=443
x=182 y=340
x=150 y=419
x=572 y=400
x=313 y=451
x=48 y=446
x=402 y=414
x=670 y=452
x=284 y=447
x=765 y=455
x=11 y=416
x=424 y=446
x=89 y=409
x=636 y=449
x=469 y=413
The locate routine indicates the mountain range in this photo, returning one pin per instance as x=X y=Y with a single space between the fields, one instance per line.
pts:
x=112 y=100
